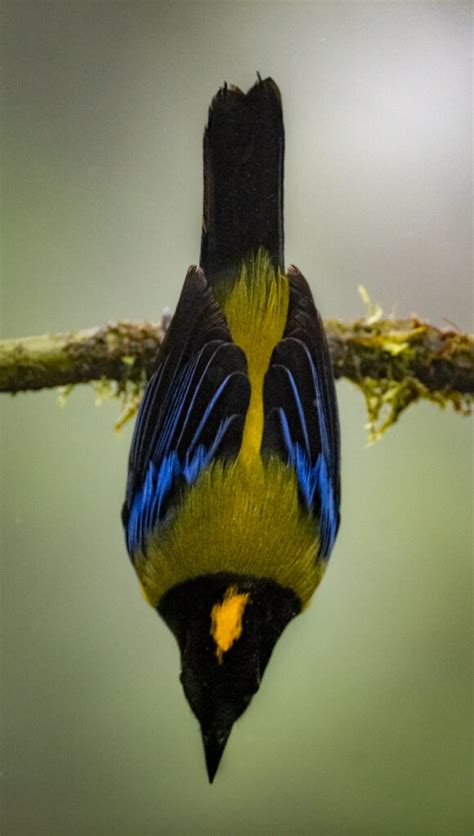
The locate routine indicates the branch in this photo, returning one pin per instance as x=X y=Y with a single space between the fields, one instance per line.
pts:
x=119 y=351
x=394 y=362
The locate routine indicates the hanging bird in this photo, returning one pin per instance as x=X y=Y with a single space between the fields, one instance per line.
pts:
x=232 y=501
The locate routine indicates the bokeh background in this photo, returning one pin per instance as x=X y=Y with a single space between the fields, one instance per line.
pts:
x=363 y=721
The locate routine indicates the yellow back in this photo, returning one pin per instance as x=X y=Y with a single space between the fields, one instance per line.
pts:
x=256 y=309
x=242 y=517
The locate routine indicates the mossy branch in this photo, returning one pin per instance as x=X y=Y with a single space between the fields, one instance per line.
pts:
x=394 y=362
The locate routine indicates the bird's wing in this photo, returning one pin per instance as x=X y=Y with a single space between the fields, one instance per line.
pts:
x=193 y=410
x=301 y=419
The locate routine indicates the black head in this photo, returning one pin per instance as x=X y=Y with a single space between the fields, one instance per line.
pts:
x=226 y=627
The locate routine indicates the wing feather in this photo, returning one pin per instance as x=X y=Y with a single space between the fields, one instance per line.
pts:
x=301 y=419
x=193 y=411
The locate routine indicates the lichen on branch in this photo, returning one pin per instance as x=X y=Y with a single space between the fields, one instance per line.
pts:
x=398 y=362
x=393 y=362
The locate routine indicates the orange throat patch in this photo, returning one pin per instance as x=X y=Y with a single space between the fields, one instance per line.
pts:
x=226 y=620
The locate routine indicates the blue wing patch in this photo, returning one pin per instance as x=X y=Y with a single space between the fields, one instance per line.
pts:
x=190 y=437
x=301 y=421
x=150 y=503
x=193 y=411
x=312 y=471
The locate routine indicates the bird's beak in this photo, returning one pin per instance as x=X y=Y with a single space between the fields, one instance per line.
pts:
x=214 y=744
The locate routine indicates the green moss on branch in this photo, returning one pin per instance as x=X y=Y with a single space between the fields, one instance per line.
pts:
x=393 y=362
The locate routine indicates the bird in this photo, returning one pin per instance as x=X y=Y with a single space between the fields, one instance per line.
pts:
x=233 y=490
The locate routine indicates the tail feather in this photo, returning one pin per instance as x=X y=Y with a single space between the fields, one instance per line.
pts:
x=243 y=179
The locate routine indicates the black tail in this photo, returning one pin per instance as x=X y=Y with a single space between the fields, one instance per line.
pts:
x=243 y=179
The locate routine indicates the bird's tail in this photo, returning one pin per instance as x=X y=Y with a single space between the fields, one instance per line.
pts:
x=243 y=179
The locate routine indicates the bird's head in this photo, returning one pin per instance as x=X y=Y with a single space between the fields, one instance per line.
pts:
x=226 y=627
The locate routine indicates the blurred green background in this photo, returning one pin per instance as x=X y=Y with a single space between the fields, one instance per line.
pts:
x=363 y=722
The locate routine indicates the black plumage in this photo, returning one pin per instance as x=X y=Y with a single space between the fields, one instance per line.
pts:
x=243 y=179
